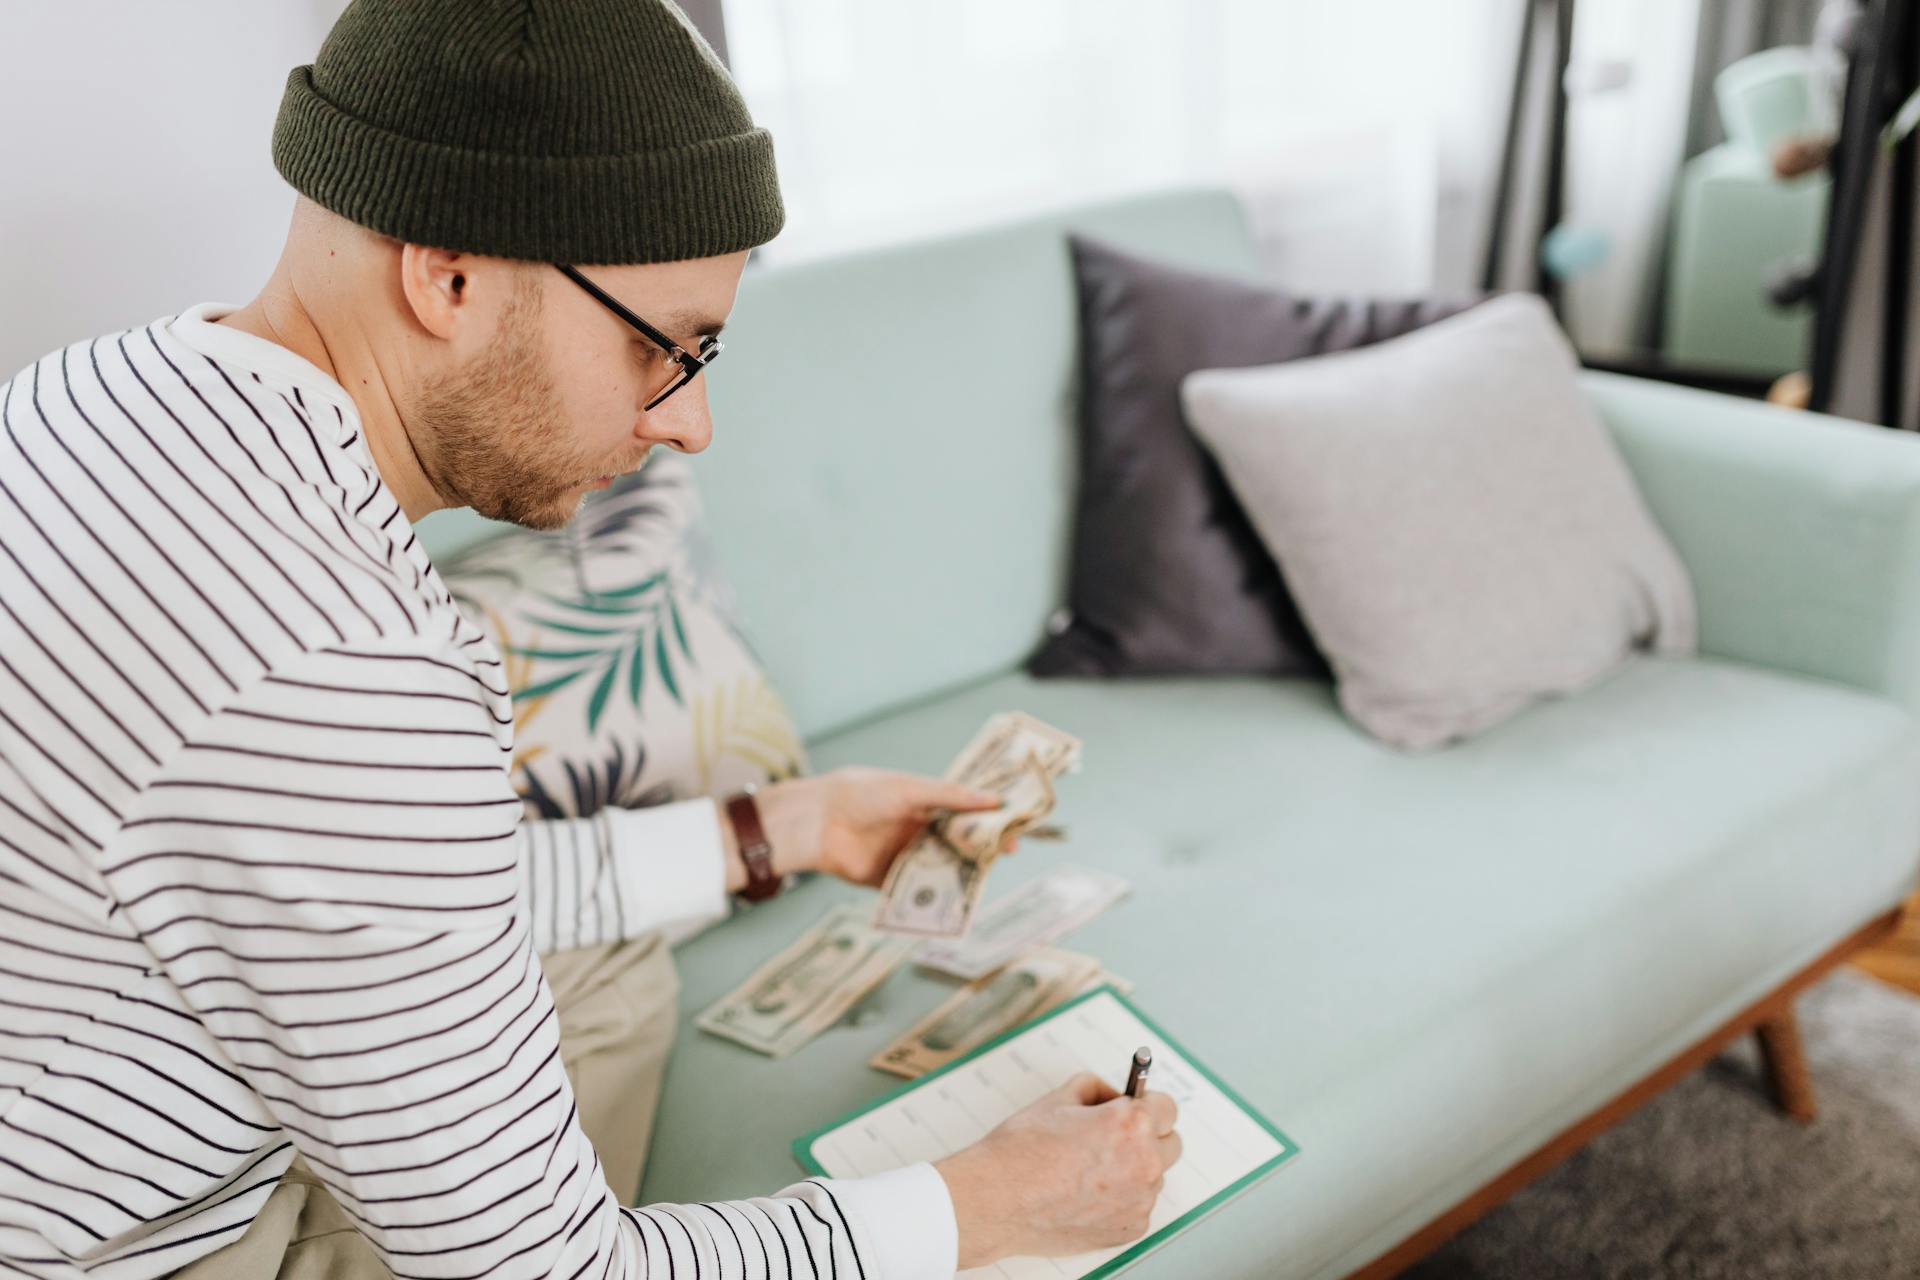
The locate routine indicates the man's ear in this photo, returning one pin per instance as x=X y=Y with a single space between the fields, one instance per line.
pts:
x=440 y=286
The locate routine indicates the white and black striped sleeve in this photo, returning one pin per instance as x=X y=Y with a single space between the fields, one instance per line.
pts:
x=622 y=873
x=333 y=874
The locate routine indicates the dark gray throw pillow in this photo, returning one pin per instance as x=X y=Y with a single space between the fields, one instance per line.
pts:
x=1167 y=576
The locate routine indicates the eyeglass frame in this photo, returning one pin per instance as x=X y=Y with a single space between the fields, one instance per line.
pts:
x=691 y=363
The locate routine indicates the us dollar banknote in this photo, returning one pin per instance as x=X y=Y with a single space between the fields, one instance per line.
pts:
x=982 y=1010
x=1038 y=912
x=808 y=987
x=935 y=884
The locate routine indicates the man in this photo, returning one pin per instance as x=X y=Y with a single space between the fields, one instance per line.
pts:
x=277 y=957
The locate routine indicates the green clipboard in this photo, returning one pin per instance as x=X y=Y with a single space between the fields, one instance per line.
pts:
x=803 y=1145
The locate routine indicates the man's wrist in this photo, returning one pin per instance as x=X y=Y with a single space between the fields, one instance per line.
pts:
x=979 y=1219
x=789 y=810
x=787 y=816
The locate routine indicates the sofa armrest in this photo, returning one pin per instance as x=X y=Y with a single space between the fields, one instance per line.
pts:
x=1801 y=531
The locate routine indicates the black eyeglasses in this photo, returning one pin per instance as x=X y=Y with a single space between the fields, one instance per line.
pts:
x=687 y=364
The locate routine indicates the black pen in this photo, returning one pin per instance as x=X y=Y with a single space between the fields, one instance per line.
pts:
x=1137 y=1071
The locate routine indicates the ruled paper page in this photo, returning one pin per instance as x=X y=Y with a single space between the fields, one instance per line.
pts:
x=1222 y=1142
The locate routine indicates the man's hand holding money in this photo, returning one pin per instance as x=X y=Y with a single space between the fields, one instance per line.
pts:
x=852 y=822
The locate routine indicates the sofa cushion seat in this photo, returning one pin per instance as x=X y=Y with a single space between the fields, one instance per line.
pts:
x=1421 y=967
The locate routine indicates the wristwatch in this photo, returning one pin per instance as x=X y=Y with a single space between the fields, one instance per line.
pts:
x=755 y=852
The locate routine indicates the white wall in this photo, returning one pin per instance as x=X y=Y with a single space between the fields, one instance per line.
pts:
x=135 y=176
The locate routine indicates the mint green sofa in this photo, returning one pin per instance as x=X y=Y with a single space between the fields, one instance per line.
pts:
x=1423 y=968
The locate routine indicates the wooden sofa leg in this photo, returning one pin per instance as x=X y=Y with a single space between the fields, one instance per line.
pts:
x=1787 y=1077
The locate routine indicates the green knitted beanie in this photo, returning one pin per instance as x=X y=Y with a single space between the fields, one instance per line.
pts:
x=576 y=131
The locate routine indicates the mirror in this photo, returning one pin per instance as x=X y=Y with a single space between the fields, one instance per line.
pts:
x=1685 y=179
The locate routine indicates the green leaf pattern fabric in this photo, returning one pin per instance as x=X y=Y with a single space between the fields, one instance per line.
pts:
x=632 y=685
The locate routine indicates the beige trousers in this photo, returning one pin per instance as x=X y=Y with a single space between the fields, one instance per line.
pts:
x=618 y=1006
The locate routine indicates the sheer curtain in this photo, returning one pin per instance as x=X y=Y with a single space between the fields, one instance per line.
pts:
x=1362 y=134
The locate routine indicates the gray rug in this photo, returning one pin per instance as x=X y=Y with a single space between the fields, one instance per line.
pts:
x=1708 y=1182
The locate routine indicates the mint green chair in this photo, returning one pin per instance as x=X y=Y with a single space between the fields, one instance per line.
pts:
x=1735 y=225
x=1423 y=968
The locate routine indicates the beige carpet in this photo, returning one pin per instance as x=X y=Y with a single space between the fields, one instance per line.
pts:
x=1708 y=1182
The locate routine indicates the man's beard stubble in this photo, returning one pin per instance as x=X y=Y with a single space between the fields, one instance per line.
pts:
x=492 y=436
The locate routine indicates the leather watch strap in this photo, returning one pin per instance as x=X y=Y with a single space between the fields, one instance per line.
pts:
x=755 y=851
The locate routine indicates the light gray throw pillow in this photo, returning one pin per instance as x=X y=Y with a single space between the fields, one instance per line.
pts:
x=1456 y=526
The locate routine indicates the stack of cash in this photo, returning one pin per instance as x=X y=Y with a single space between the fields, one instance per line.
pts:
x=934 y=886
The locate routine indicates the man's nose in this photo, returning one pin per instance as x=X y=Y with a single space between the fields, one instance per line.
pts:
x=683 y=421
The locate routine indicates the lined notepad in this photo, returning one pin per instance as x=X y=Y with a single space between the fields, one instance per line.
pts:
x=1227 y=1146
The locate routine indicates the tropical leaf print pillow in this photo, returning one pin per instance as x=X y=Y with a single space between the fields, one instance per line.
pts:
x=631 y=684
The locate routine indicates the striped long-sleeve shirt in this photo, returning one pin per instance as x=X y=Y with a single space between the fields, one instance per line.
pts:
x=264 y=886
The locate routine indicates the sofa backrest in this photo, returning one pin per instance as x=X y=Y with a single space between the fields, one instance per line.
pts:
x=890 y=483
x=892 y=473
